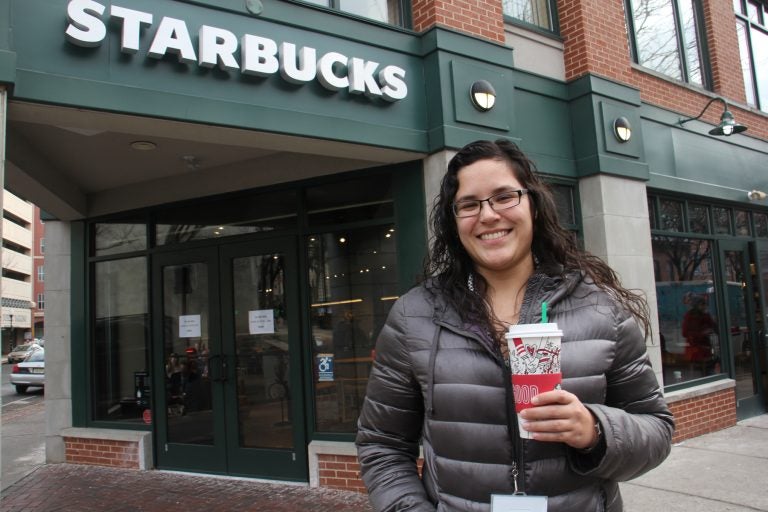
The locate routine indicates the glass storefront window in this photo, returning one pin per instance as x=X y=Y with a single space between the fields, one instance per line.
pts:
x=120 y=339
x=722 y=220
x=387 y=11
x=688 y=319
x=761 y=224
x=353 y=283
x=741 y=219
x=698 y=218
x=227 y=216
x=351 y=200
x=671 y=215
x=118 y=237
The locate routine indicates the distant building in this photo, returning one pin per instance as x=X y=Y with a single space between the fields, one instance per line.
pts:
x=38 y=288
x=18 y=216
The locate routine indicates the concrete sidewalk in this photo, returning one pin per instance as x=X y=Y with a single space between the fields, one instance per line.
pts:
x=723 y=471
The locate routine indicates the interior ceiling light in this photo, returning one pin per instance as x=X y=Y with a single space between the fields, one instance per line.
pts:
x=728 y=125
x=143 y=145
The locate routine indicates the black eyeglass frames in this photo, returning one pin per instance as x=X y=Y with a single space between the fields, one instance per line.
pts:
x=497 y=202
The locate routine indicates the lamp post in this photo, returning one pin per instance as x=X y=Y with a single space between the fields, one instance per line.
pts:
x=10 y=332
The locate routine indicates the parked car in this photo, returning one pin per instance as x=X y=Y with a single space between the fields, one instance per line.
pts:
x=30 y=372
x=20 y=352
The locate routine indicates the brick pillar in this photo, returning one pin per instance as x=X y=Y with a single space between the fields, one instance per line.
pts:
x=482 y=18
x=595 y=38
x=723 y=48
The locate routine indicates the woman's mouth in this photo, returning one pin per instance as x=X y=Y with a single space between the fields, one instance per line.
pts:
x=494 y=235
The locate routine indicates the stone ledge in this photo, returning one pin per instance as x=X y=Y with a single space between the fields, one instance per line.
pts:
x=700 y=390
x=142 y=438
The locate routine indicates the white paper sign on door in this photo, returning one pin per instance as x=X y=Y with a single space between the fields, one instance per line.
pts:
x=189 y=326
x=261 y=321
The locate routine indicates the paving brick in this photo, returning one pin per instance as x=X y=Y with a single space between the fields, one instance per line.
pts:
x=78 y=488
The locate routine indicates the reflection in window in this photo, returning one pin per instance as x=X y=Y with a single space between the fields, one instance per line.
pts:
x=688 y=317
x=118 y=237
x=566 y=210
x=741 y=220
x=671 y=215
x=353 y=283
x=761 y=224
x=658 y=41
x=722 y=220
x=698 y=218
x=226 y=217
x=387 y=11
x=535 y=12
x=752 y=31
x=120 y=338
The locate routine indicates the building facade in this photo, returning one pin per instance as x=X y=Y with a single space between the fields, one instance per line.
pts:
x=237 y=191
x=17 y=271
x=38 y=288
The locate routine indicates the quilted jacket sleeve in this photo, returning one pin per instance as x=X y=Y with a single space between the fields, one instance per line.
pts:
x=635 y=419
x=390 y=423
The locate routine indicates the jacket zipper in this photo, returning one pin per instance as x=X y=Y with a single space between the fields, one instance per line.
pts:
x=518 y=472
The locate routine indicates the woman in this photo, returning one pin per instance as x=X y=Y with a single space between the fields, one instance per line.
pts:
x=441 y=376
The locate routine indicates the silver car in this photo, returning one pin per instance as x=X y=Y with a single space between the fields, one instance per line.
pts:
x=30 y=372
x=22 y=351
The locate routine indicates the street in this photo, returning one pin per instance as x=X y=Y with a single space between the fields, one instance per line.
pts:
x=22 y=444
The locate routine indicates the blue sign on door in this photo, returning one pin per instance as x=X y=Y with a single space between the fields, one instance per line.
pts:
x=324 y=367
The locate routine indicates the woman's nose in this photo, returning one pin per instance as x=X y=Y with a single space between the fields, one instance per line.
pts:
x=486 y=212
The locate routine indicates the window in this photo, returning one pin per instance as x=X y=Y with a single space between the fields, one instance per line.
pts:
x=533 y=12
x=120 y=335
x=41 y=273
x=354 y=282
x=752 y=30
x=40 y=301
x=387 y=11
x=42 y=245
x=667 y=36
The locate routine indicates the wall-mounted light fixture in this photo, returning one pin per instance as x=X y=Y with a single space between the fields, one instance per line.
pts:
x=756 y=195
x=728 y=124
x=622 y=129
x=483 y=95
x=143 y=145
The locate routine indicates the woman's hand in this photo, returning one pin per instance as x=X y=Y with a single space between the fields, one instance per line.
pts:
x=559 y=416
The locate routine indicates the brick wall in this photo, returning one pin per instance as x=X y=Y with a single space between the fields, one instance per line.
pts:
x=704 y=414
x=595 y=41
x=102 y=452
x=482 y=18
x=343 y=472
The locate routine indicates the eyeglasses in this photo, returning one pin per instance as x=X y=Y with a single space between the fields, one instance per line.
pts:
x=497 y=202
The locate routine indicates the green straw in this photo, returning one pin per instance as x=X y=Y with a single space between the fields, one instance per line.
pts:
x=544 y=312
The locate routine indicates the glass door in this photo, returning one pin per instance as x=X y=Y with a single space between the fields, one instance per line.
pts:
x=742 y=301
x=260 y=312
x=226 y=321
x=189 y=368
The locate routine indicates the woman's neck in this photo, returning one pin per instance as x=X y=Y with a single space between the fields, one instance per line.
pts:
x=506 y=291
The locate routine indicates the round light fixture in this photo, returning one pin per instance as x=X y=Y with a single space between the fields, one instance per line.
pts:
x=483 y=95
x=622 y=129
x=143 y=145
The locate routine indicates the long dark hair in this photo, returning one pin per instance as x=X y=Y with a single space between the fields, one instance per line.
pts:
x=553 y=247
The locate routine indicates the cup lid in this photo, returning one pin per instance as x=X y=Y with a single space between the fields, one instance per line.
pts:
x=548 y=329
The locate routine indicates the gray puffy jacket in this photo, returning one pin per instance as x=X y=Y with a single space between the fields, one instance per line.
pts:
x=444 y=384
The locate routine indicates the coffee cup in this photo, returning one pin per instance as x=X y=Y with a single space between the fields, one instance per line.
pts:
x=534 y=360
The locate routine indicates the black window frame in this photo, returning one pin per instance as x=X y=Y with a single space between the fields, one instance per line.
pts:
x=743 y=17
x=406 y=20
x=554 y=19
x=701 y=36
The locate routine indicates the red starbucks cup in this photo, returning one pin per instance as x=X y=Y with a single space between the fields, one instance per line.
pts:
x=534 y=357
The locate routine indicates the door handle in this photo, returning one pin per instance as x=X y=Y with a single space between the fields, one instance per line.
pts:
x=221 y=374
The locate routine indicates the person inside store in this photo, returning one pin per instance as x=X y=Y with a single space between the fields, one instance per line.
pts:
x=349 y=339
x=698 y=328
x=441 y=377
